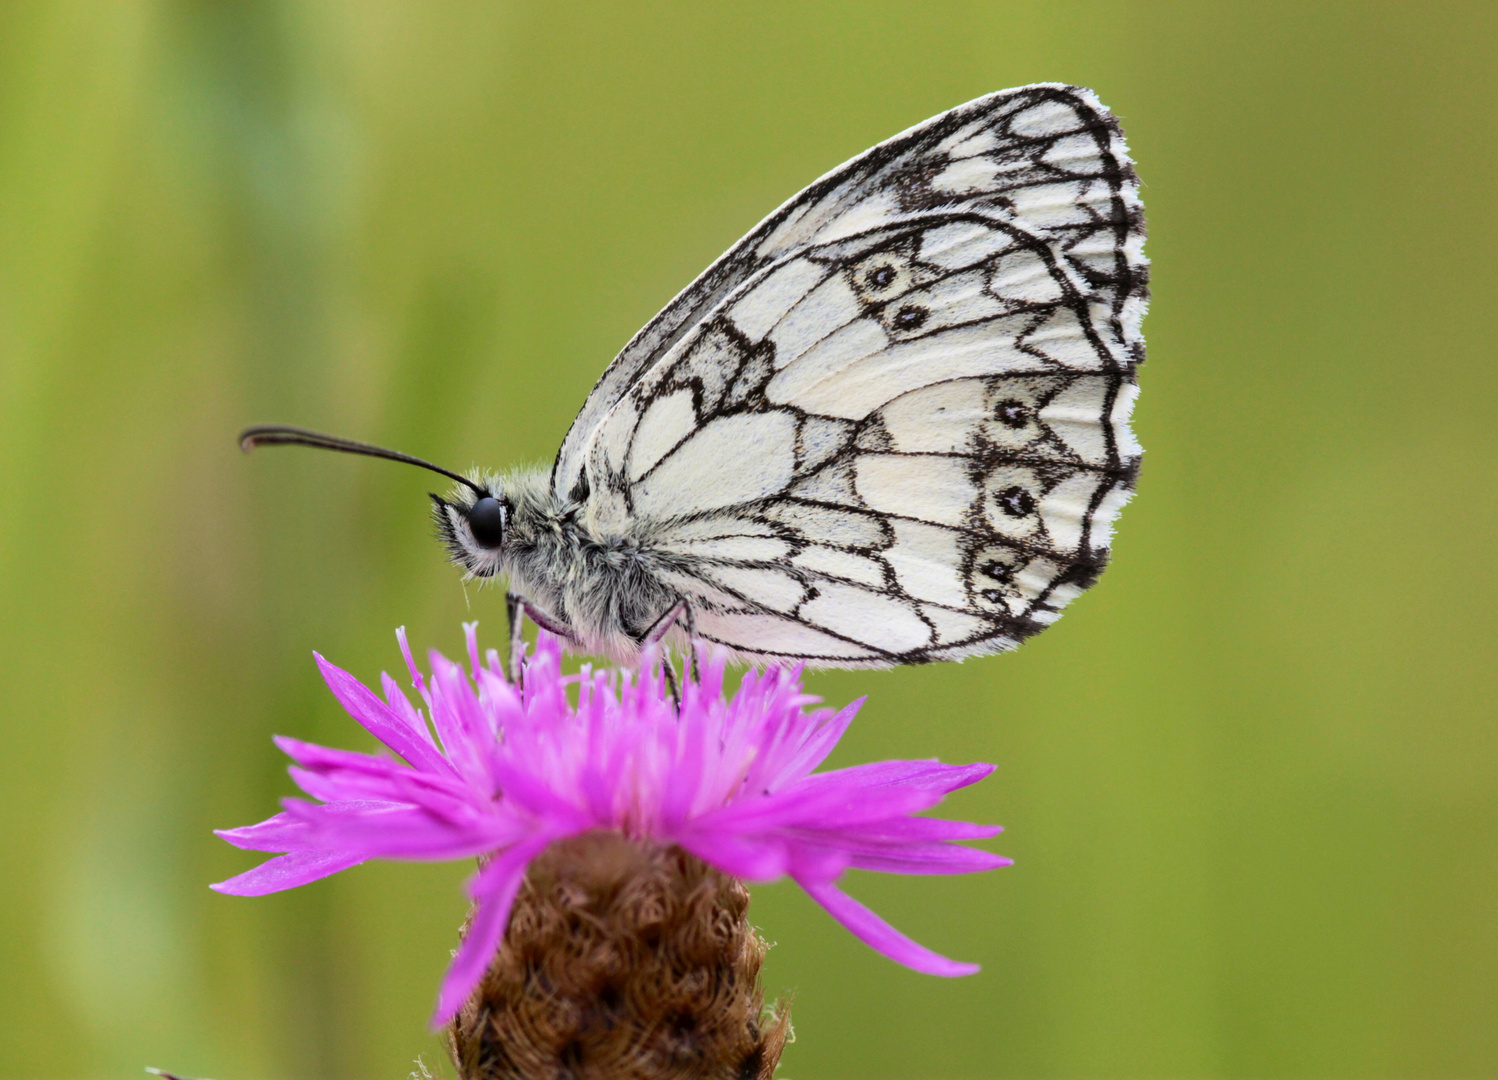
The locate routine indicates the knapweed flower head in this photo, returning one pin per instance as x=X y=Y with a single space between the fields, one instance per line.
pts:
x=502 y=772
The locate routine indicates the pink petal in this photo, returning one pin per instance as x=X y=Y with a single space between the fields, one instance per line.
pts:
x=280 y=833
x=401 y=786
x=403 y=708
x=815 y=802
x=417 y=682
x=524 y=788
x=379 y=719
x=921 y=858
x=742 y=857
x=471 y=637
x=924 y=774
x=684 y=781
x=880 y=935
x=816 y=862
x=367 y=769
x=459 y=722
x=822 y=742
x=494 y=892
x=410 y=834
x=904 y=829
x=292 y=831
x=287 y=872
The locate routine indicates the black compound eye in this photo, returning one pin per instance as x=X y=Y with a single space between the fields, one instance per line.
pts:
x=486 y=520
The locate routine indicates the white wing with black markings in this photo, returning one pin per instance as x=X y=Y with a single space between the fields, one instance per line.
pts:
x=891 y=425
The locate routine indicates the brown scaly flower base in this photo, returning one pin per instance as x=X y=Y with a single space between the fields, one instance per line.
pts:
x=622 y=961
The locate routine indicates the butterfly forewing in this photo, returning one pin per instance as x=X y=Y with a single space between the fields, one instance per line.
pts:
x=891 y=424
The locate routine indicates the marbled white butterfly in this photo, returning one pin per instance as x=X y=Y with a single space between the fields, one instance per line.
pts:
x=889 y=426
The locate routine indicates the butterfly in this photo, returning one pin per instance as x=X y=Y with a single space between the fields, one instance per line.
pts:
x=888 y=426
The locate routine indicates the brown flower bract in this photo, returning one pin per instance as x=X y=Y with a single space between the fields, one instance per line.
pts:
x=622 y=961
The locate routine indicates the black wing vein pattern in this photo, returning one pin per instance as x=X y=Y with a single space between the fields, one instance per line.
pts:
x=891 y=424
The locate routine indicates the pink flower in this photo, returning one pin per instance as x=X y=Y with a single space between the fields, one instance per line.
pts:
x=511 y=770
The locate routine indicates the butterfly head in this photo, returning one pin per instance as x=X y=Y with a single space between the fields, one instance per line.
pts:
x=473 y=523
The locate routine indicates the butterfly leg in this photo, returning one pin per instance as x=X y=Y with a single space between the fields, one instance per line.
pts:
x=662 y=626
x=514 y=614
x=517 y=608
x=689 y=617
x=681 y=611
x=657 y=632
x=671 y=685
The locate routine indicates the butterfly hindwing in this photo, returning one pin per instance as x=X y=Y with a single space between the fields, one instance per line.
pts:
x=895 y=428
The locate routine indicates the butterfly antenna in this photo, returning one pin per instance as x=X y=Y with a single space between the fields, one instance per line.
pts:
x=283 y=435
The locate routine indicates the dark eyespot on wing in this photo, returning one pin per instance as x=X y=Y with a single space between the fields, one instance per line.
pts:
x=1016 y=501
x=1012 y=414
x=910 y=317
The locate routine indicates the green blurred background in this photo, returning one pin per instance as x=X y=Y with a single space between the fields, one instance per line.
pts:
x=1251 y=781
